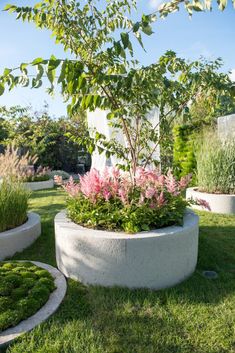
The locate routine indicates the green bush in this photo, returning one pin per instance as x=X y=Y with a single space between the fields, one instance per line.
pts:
x=216 y=165
x=13 y=205
x=22 y=295
x=131 y=219
x=184 y=159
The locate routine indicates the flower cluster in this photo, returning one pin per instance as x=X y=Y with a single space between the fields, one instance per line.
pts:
x=114 y=200
x=148 y=186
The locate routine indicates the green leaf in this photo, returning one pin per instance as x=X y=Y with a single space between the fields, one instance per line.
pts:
x=53 y=63
x=147 y=30
x=2 y=89
x=136 y=27
x=10 y=8
x=62 y=72
x=222 y=4
x=38 y=61
x=125 y=39
x=6 y=72
x=23 y=67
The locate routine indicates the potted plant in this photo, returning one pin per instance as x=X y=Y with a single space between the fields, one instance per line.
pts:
x=21 y=168
x=120 y=231
x=18 y=228
x=38 y=179
x=215 y=174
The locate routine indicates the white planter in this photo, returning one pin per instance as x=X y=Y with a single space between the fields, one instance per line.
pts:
x=219 y=203
x=39 y=185
x=19 y=238
x=155 y=259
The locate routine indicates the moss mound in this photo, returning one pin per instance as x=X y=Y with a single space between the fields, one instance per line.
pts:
x=24 y=289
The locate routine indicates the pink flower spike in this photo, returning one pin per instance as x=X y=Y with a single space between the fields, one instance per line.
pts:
x=184 y=181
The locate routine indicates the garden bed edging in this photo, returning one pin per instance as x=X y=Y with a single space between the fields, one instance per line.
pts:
x=19 y=238
x=39 y=185
x=219 y=203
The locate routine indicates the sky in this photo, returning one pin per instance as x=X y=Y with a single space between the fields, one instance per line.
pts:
x=210 y=34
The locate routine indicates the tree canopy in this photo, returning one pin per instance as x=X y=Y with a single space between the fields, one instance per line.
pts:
x=104 y=73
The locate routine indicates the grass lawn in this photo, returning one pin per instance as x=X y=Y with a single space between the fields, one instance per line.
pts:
x=197 y=316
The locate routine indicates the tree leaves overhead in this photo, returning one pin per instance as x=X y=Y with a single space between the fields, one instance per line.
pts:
x=103 y=73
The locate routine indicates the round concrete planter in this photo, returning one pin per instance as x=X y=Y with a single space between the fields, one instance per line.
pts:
x=56 y=297
x=155 y=259
x=40 y=185
x=219 y=203
x=19 y=238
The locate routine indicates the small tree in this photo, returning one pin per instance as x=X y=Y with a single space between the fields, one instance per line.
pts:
x=104 y=73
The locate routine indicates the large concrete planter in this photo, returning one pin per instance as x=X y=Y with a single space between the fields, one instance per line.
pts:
x=40 y=185
x=219 y=203
x=19 y=238
x=156 y=259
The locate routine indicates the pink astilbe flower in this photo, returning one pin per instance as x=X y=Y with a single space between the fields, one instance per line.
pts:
x=160 y=199
x=58 y=180
x=72 y=188
x=171 y=184
x=184 y=181
x=150 y=192
x=149 y=187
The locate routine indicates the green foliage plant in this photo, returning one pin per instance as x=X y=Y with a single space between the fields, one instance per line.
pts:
x=24 y=289
x=39 y=134
x=216 y=165
x=184 y=148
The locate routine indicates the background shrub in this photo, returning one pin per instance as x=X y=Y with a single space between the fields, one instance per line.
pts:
x=44 y=136
x=216 y=165
x=184 y=158
x=60 y=173
x=13 y=204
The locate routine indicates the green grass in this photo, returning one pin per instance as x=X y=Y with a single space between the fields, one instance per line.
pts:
x=197 y=316
x=24 y=289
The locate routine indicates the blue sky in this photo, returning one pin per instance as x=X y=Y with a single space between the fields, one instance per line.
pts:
x=208 y=34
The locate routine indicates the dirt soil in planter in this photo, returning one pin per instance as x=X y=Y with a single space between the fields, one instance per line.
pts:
x=24 y=289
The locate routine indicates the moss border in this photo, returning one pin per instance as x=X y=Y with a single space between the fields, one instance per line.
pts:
x=55 y=299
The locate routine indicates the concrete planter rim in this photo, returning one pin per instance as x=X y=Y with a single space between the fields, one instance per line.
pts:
x=48 y=309
x=19 y=238
x=219 y=203
x=196 y=189
x=39 y=185
x=158 y=232
x=32 y=218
